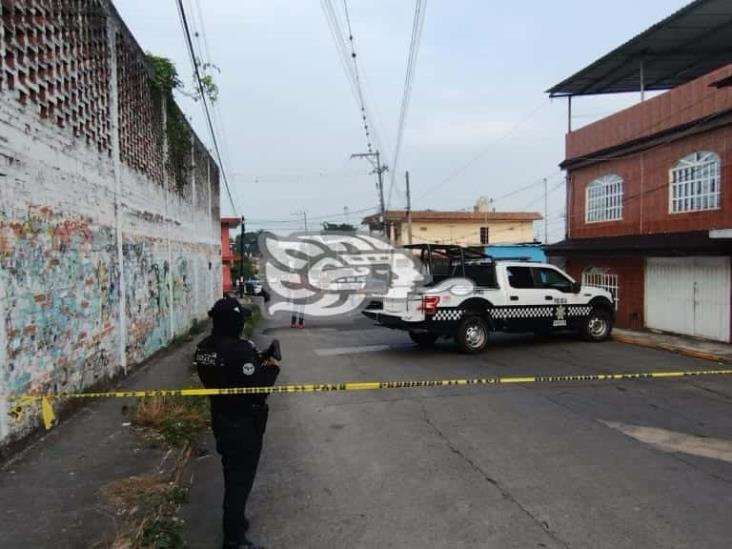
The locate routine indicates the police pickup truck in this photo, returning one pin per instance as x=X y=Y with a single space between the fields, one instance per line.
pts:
x=469 y=295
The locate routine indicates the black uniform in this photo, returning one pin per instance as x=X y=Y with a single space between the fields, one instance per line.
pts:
x=224 y=360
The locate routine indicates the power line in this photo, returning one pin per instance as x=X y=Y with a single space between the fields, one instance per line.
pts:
x=536 y=183
x=297 y=177
x=417 y=25
x=194 y=61
x=203 y=45
x=486 y=150
x=346 y=49
x=357 y=76
x=313 y=218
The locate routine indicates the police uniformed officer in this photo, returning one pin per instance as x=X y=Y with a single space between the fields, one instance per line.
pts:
x=223 y=359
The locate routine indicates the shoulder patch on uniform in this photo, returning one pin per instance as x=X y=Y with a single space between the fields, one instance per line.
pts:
x=248 y=369
x=206 y=359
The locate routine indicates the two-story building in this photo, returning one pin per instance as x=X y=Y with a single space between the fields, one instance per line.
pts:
x=228 y=257
x=464 y=228
x=649 y=188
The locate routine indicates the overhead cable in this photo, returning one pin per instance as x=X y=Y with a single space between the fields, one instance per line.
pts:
x=204 y=101
x=417 y=25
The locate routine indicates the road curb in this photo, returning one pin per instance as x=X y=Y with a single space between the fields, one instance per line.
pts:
x=672 y=348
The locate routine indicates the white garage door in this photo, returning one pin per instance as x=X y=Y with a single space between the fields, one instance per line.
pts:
x=688 y=295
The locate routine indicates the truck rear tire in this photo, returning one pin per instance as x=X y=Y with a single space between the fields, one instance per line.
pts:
x=423 y=339
x=597 y=326
x=472 y=335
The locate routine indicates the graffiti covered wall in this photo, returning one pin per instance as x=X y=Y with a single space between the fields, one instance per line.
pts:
x=109 y=233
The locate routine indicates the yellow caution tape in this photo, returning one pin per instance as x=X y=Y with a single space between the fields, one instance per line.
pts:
x=49 y=418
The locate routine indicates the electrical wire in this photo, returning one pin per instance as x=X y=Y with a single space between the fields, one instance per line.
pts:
x=417 y=25
x=316 y=217
x=196 y=22
x=485 y=151
x=298 y=177
x=204 y=101
x=346 y=49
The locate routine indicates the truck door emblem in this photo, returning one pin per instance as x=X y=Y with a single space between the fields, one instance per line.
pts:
x=561 y=316
x=561 y=312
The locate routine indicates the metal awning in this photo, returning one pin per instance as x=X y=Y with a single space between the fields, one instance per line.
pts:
x=692 y=42
x=723 y=83
x=664 y=244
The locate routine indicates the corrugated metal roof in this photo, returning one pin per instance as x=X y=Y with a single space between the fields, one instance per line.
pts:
x=692 y=42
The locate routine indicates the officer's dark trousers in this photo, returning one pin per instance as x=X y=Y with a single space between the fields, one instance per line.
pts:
x=239 y=441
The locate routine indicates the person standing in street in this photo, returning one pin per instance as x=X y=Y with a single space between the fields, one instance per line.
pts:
x=225 y=360
x=298 y=316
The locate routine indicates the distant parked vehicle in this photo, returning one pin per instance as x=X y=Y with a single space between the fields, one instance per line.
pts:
x=253 y=286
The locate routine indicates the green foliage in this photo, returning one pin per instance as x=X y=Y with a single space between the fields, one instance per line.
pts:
x=252 y=321
x=340 y=227
x=248 y=272
x=166 y=79
x=162 y=532
x=251 y=243
x=210 y=89
x=165 y=75
x=179 y=146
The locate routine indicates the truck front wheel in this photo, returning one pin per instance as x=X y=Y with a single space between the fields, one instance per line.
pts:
x=597 y=326
x=472 y=335
x=423 y=339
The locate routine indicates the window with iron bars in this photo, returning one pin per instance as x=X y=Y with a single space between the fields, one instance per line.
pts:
x=604 y=199
x=695 y=183
x=484 y=233
x=602 y=278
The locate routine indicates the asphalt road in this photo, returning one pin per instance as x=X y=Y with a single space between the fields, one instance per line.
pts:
x=602 y=464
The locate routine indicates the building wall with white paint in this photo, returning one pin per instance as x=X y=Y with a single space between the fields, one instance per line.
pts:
x=109 y=231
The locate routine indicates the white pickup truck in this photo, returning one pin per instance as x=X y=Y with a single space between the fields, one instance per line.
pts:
x=471 y=295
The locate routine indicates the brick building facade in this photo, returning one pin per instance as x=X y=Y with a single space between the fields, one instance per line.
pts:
x=649 y=198
x=228 y=257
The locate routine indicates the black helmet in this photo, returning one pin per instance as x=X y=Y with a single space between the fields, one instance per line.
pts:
x=228 y=317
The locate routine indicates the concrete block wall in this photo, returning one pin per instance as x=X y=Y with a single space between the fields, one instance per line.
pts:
x=108 y=248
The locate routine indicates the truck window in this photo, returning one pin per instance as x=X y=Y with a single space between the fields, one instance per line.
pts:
x=551 y=279
x=484 y=276
x=520 y=277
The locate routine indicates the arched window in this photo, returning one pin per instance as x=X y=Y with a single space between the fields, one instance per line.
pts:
x=694 y=183
x=602 y=278
x=604 y=199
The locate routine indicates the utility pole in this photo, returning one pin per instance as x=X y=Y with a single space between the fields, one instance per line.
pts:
x=379 y=170
x=241 y=257
x=304 y=215
x=546 y=213
x=409 y=209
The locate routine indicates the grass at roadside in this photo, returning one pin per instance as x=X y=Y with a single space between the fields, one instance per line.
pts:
x=147 y=506
x=175 y=421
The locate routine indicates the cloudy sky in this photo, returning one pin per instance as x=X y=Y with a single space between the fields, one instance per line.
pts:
x=479 y=121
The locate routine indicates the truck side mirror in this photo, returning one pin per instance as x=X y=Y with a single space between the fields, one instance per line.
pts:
x=576 y=287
